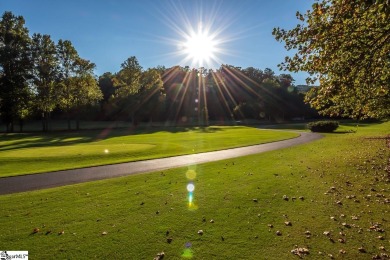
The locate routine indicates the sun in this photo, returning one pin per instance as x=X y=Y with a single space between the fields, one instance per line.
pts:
x=198 y=36
x=200 y=47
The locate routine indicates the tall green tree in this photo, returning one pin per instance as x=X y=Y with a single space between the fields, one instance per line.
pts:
x=345 y=45
x=15 y=69
x=78 y=86
x=67 y=56
x=128 y=79
x=151 y=96
x=84 y=87
x=139 y=94
x=45 y=76
x=106 y=85
x=127 y=83
x=107 y=88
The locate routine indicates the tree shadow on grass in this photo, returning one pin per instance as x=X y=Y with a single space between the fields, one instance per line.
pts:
x=64 y=138
x=19 y=141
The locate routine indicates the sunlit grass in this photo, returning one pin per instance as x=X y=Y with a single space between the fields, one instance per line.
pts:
x=33 y=153
x=242 y=196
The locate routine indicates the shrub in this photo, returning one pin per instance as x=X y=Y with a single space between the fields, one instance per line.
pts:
x=323 y=126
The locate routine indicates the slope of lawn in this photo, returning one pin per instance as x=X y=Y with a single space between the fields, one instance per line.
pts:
x=330 y=197
x=33 y=153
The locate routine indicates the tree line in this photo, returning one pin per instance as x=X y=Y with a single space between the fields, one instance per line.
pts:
x=39 y=77
x=197 y=96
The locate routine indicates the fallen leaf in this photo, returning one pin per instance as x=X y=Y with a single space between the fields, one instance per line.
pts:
x=341 y=240
x=362 y=250
x=159 y=256
x=300 y=251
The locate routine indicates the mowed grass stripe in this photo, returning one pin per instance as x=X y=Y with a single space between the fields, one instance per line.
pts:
x=243 y=196
x=26 y=154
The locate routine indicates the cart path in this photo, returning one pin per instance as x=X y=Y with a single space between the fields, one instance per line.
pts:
x=66 y=177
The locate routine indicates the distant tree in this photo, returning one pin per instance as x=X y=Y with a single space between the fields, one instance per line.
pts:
x=128 y=79
x=15 y=69
x=286 y=81
x=67 y=56
x=127 y=83
x=78 y=85
x=84 y=87
x=161 y=69
x=107 y=88
x=269 y=73
x=175 y=82
x=345 y=45
x=151 y=94
x=106 y=85
x=45 y=76
x=139 y=94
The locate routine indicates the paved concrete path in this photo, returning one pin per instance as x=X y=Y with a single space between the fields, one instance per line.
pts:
x=54 y=179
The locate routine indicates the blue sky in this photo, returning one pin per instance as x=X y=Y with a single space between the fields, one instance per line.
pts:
x=108 y=32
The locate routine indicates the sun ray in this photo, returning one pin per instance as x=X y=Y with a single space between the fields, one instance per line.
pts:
x=189 y=20
x=205 y=106
x=234 y=75
x=180 y=95
x=221 y=88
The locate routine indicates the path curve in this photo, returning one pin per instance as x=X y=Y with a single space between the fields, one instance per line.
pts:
x=22 y=183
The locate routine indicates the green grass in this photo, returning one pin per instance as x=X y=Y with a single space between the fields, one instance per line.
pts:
x=137 y=211
x=34 y=153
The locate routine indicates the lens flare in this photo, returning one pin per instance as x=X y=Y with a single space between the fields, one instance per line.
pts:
x=191 y=174
x=190 y=187
x=187 y=252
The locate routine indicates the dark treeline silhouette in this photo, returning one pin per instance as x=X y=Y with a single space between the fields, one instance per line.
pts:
x=41 y=79
x=197 y=96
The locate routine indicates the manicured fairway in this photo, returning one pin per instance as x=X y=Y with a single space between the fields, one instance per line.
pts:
x=338 y=202
x=33 y=153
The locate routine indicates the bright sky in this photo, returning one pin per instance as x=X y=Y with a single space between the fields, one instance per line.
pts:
x=159 y=32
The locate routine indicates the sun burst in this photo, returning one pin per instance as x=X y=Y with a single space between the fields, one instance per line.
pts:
x=200 y=47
